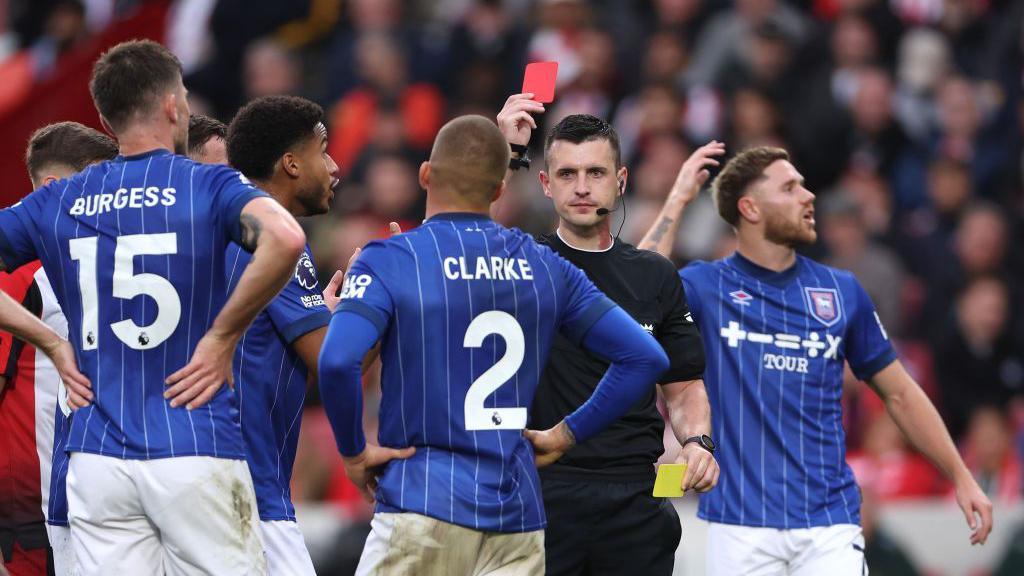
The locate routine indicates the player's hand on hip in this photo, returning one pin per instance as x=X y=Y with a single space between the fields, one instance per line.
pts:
x=701 y=468
x=549 y=445
x=695 y=171
x=364 y=469
x=208 y=370
x=976 y=506
x=78 y=386
x=515 y=120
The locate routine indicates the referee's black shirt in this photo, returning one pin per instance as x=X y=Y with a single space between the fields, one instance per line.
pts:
x=645 y=285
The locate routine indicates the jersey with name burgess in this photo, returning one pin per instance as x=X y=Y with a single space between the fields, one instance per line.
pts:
x=467 y=310
x=134 y=248
x=775 y=347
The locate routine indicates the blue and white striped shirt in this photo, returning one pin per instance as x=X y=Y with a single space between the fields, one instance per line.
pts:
x=135 y=250
x=775 y=346
x=466 y=310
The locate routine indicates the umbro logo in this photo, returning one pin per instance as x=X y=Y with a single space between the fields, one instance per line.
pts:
x=649 y=328
x=741 y=297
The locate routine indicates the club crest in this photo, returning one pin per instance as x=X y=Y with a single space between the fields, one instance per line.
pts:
x=823 y=305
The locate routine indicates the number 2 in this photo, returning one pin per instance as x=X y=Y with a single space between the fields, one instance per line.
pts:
x=479 y=417
x=127 y=285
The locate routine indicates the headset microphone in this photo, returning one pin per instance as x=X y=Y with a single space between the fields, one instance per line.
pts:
x=606 y=211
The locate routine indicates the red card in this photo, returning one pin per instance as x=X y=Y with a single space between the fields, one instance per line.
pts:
x=540 y=80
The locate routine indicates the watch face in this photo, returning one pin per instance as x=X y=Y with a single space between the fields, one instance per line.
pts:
x=707 y=442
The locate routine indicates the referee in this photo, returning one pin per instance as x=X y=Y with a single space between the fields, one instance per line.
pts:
x=602 y=518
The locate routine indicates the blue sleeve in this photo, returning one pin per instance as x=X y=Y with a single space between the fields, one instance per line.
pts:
x=868 y=348
x=16 y=245
x=637 y=362
x=583 y=303
x=687 y=275
x=231 y=192
x=299 y=308
x=365 y=291
x=349 y=337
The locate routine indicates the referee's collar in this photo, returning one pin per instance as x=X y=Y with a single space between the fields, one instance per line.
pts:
x=782 y=278
x=458 y=216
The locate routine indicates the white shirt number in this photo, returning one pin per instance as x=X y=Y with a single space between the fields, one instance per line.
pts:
x=127 y=285
x=478 y=416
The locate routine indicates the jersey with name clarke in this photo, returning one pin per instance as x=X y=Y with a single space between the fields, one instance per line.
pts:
x=138 y=197
x=493 y=268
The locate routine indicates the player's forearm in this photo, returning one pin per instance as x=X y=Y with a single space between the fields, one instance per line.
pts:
x=17 y=320
x=637 y=362
x=917 y=418
x=278 y=247
x=689 y=412
x=661 y=237
x=349 y=338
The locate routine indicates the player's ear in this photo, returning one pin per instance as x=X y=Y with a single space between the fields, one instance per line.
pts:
x=748 y=209
x=48 y=179
x=545 y=182
x=424 y=175
x=106 y=127
x=498 y=191
x=169 y=105
x=290 y=164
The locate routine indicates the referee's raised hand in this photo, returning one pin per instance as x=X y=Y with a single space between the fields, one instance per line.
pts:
x=515 y=119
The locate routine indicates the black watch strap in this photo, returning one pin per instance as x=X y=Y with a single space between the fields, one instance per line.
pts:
x=704 y=441
x=520 y=149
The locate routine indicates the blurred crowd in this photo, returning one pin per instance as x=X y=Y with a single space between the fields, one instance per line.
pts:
x=905 y=117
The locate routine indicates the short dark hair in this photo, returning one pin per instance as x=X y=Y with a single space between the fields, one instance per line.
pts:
x=128 y=78
x=201 y=129
x=66 y=144
x=579 y=128
x=470 y=157
x=266 y=128
x=739 y=173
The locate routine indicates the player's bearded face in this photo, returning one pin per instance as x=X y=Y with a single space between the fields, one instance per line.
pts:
x=580 y=179
x=788 y=206
x=321 y=174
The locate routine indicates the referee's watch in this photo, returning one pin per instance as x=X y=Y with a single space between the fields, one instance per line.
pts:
x=704 y=441
x=520 y=161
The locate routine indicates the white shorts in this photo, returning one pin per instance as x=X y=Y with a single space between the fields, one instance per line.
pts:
x=286 y=549
x=414 y=545
x=833 y=550
x=63 y=554
x=187 y=515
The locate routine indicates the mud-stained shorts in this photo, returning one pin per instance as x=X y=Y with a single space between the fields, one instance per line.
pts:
x=415 y=545
x=187 y=515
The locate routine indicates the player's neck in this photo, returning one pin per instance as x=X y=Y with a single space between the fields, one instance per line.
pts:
x=285 y=200
x=766 y=254
x=597 y=238
x=139 y=140
x=437 y=206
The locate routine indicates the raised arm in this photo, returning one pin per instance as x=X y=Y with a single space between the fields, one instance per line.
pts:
x=692 y=175
x=516 y=122
x=276 y=240
x=920 y=422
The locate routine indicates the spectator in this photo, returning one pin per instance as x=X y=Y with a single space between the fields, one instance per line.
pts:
x=874 y=265
x=990 y=454
x=383 y=69
x=977 y=359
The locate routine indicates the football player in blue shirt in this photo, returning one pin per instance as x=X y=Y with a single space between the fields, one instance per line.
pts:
x=280 y=143
x=778 y=328
x=135 y=248
x=465 y=311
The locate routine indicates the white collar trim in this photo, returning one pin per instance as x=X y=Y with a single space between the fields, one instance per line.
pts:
x=558 y=233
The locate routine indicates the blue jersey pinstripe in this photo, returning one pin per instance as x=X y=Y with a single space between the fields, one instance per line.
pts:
x=776 y=344
x=130 y=246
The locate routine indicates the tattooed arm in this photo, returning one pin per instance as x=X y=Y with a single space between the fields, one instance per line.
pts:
x=693 y=174
x=276 y=240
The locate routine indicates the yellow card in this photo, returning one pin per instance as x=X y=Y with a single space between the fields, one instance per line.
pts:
x=669 y=482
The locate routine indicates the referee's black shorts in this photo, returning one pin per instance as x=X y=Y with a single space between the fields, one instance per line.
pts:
x=602 y=527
